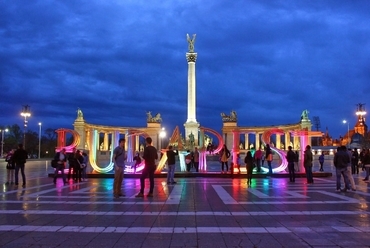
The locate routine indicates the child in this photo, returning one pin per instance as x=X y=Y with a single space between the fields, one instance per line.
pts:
x=10 y=167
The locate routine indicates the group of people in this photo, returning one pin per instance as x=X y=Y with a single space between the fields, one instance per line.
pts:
x=119 y=157
x=258 y=159
x=343 y=167
x=77 y=163
x=192 y=160
x=16 y=160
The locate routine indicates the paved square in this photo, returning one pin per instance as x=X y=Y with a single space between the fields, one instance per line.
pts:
x=195 y=212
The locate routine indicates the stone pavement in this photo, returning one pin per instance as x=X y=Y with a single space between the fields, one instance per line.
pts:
x=195 y=212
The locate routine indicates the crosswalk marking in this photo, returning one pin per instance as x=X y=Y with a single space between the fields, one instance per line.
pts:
x=225 y=197
x=202 y=229
x=188 y=213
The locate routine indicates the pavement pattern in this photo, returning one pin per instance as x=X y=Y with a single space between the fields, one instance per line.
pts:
x=194 y=212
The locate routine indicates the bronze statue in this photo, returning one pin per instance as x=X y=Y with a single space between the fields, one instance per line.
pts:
x=80 y=115
x=191 y=42
x=304 y=115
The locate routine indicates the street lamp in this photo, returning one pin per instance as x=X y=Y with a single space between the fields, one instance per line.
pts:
x=39 y=139
x=348 y=140
x=162 y=135
x=25 y=113
x=2 y=140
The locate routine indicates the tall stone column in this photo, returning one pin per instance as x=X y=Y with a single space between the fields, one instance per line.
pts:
x=257 y=140
x=287 y=140
x=105 y=146
x=191 y=125
x=278 y=141
x=246 y=141
x=137 y=143
x=296 y=143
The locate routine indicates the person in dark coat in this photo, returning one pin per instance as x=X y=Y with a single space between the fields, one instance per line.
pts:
x=308 y=159
x=150 y=157
x=20 y=157
x=171 y=161
x=61 y=158
x=249 y=162
x=290 y=156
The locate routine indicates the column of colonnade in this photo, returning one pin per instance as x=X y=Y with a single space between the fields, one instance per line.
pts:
x=296 y=143
x=105 y=142
x=257 y=140
x=278 y=141
x=287 y=140
x=137 y=143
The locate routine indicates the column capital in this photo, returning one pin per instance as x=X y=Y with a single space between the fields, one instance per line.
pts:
x=191 y=57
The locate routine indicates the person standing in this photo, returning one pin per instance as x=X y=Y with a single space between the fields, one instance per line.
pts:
x=263 y=158
x=249 y=161
x=72 y=165
x=224 y=157
x=20 y=157
x=290 y=156
x=119 y=158
x=196 y=159
x=10 y=167
x=61 y=159
x=365 y=160
x=354 y=162
x=84 y=166
x=308 y=158
x=341 y=161
x=350 y=170
x=258 y=157
x=268 y=157
x=171 y=161
x=321 y=161
x=188 y=159
x=79 y=165
x=150 y=156
x=361 y=158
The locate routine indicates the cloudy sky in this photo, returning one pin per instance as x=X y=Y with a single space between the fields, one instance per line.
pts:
x=118 y=59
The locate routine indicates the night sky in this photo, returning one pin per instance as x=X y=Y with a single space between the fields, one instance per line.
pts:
x=116 y=60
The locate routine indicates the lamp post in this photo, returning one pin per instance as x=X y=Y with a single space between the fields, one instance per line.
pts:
x=162 y=135
x=25 y=113
x=2 y=141
x=348 y=141
x=40 y=124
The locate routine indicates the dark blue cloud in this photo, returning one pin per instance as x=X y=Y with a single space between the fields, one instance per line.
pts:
x=116 y=60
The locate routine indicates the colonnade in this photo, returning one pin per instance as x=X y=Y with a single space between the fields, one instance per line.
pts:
x=288 y=140
x=284 y=138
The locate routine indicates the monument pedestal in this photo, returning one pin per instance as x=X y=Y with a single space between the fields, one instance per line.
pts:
x=192 y=128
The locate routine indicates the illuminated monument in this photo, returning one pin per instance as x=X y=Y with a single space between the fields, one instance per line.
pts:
x=191 y=125
x=100 y=140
